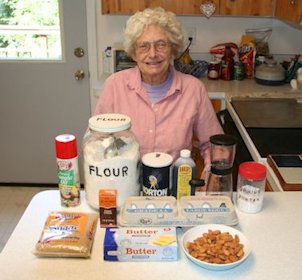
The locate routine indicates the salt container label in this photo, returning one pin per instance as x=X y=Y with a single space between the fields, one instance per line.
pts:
x=156 y=181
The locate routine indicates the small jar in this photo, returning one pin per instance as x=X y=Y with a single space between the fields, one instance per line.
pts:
x=111 y=157
x=214 y=70
x=251 y=186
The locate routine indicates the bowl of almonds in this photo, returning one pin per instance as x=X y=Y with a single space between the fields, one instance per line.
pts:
x=215 y=247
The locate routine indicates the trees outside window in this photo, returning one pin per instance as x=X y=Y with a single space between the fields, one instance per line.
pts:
x=30 y=29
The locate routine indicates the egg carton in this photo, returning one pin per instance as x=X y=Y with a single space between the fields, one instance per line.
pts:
x=186 y=212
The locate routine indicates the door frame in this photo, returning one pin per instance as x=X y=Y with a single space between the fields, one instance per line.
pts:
x=91 y=10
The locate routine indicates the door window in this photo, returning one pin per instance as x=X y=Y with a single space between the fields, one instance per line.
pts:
x=30 y=30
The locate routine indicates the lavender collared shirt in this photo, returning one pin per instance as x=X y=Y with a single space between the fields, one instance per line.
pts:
x=168 y=125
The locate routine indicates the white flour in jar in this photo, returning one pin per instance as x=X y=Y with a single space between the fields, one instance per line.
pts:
x=118 y=172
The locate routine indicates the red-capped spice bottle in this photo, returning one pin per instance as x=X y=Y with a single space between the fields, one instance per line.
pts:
x=68 y=169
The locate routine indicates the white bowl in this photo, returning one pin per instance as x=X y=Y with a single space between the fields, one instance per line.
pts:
x=195 y=232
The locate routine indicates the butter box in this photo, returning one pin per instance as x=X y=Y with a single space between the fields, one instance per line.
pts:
x=140 y=244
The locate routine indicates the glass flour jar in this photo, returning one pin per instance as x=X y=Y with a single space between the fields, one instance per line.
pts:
x=251 y=186
x=111 y=157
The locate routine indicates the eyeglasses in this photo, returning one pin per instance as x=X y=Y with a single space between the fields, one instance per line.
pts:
x=159 y=46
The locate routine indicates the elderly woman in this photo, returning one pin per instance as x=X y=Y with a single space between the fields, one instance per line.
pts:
x=166 y=106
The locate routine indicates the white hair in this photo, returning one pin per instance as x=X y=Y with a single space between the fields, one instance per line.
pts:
x=137 y=23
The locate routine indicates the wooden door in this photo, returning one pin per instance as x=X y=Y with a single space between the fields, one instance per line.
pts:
x=289 y=10
x=247 y=7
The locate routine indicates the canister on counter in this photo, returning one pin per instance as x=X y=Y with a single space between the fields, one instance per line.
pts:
x=251 y=186
x=111 y=156
x=214 y=70
x=239 y=72
x=156 y=173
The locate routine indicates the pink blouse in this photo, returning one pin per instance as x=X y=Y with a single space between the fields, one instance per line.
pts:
x=168 y=125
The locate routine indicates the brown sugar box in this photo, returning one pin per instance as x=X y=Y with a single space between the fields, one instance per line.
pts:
x=108 y=207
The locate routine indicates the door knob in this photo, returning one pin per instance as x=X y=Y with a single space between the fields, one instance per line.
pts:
x=79 y=75
x=78 y=52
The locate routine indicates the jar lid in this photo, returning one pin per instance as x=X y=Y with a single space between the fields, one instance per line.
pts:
x=109 y=123
x=66 y=146
x=157 y=159
x=252 y=170
x=223 y=139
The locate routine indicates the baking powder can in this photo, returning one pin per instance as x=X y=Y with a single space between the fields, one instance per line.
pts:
x=251 y=186
x=156 y=174
x=68 y=169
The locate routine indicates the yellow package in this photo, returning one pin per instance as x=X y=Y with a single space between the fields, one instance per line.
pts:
x=67 y=234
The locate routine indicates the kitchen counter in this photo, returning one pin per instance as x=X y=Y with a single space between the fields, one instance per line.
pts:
x=274 y=234
x=248 y=88
x=226 y=90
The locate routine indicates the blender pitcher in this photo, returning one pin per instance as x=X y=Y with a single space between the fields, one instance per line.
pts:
x=223 y=149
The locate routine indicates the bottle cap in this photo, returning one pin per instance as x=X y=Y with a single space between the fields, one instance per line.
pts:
x=252 y=170
x=185 y=153
x=66 y=146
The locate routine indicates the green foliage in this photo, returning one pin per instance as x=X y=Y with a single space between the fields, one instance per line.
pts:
x=6 y=10
x=28 y=13
x=36 y=12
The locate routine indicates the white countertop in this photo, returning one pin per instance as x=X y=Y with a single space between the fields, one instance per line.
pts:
x=275 y=235
x=249 y=88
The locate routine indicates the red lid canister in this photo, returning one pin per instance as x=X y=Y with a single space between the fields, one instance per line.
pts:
x=66 y=146
x=252 y=170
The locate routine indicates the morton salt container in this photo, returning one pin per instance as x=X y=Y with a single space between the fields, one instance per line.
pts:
x=111 y=156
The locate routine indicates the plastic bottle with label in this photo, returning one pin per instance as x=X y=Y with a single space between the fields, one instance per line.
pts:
x=184 y=169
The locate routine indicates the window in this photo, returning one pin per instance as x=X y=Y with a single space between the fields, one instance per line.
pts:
x=30 y=30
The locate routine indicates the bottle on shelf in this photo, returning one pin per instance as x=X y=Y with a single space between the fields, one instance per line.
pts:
x=227 y=64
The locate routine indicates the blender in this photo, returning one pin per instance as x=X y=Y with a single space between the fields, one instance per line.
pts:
x=223 y=149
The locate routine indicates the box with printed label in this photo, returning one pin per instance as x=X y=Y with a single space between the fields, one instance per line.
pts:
x=140 y=244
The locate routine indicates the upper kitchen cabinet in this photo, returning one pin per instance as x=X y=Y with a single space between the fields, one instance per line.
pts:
x=247 y=7
x=188 y=7
x=128 y=6
x=192 y=7
x=289 y=10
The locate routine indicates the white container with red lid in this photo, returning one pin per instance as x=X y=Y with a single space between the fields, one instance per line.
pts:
x=251 y=186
